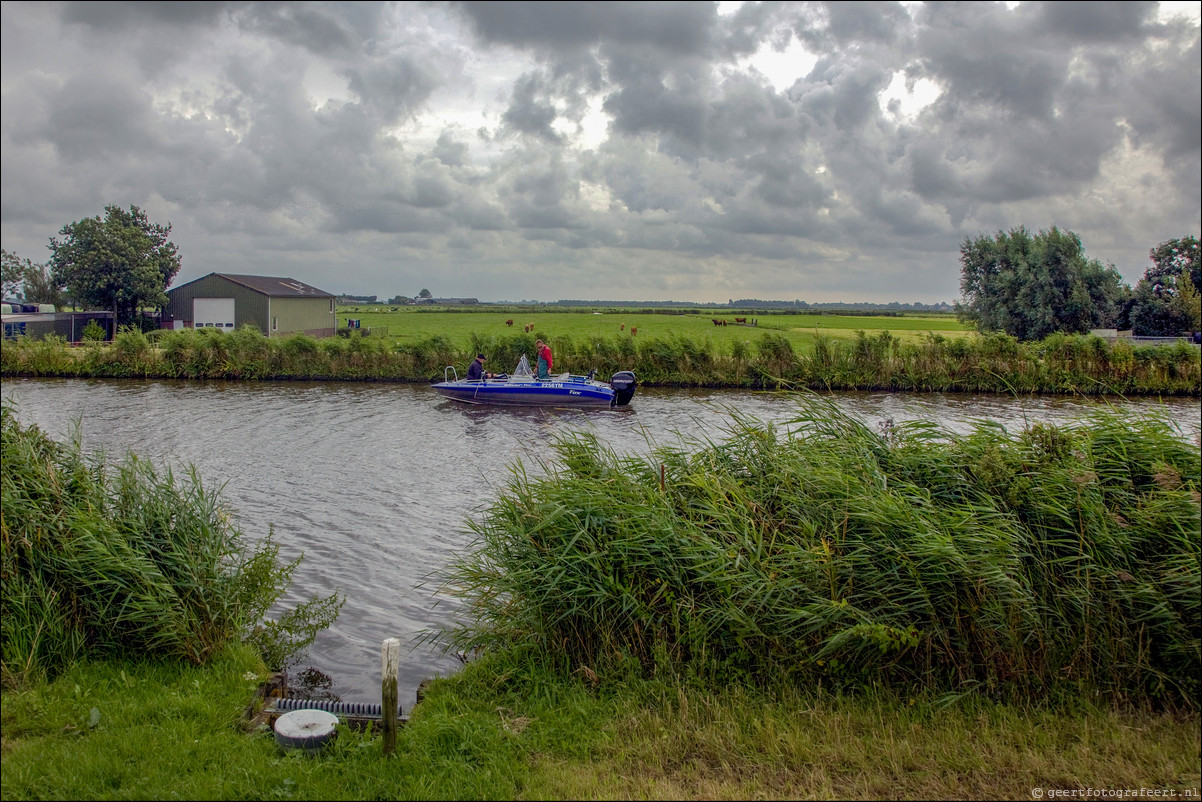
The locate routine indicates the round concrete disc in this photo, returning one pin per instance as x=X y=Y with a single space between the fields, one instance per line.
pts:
x=305 y=729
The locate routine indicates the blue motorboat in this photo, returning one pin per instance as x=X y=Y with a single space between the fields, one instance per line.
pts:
x=523 y=388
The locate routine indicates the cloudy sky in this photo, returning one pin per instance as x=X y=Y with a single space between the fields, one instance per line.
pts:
x=689 y=151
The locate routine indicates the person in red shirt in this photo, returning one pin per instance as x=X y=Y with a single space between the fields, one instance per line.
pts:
x=544 y=358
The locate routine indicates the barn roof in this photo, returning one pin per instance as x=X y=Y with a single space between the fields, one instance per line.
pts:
x=275 y=286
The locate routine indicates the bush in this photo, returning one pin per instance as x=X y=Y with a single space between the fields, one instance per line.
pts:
x=93 y=332
x=913 y=557
x=101 y=562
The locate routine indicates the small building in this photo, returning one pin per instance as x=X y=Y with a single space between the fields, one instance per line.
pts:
x=39 y=324
x=274 y=305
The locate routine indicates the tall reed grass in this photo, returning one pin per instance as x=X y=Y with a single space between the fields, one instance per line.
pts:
x=990 y=363
x=100 y=561
x=1027 y=563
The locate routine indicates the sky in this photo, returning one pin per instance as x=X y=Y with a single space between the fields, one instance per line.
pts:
x=689 y=151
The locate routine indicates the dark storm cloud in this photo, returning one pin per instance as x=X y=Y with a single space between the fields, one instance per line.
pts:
x=1096 y=22
x=120 y=16
x=308 y=25
x=677 y=28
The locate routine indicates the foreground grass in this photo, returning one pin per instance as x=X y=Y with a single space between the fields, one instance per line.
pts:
x=506 y=729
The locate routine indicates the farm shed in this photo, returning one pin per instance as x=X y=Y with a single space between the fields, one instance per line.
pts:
x=274 y=305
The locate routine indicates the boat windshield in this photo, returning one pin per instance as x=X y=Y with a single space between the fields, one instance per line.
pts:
x=522 y=372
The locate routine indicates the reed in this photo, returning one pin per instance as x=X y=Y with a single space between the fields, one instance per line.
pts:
x=1026 y=564
x=993 y=363
x=102 y=561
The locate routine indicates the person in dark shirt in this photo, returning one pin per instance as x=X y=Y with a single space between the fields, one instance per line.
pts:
x=476 y=369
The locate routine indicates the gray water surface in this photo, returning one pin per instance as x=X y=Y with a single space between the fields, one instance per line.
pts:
x=373 y=483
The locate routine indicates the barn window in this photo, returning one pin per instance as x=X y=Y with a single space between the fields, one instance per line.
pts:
x=275 y=323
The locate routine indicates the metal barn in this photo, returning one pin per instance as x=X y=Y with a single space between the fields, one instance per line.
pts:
x=274 y=305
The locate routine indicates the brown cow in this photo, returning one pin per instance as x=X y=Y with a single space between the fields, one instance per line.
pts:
x=740 y=320
x=621 y=327
x=633 y=331
x=716 y=321
x=509 y=322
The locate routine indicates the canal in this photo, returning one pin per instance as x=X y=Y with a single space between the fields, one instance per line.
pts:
x=373 y=483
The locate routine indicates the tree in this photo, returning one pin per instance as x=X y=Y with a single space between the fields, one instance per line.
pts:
x=1032 y=286
x=40 y=287
x=1169 y=258
x=424 y=294
x=121 y=262
x=1162 y=305
x=28 y=280
x=12 y=273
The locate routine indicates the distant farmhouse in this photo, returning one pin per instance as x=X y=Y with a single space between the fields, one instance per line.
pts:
x=274 y=305
x=447 y=301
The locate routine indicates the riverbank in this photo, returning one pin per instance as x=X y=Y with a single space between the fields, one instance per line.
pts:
x=510 y=729
x=1074 y=365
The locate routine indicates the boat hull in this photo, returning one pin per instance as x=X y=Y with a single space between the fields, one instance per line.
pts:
x=583 y=393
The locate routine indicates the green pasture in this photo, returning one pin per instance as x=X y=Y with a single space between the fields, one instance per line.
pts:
x=414 y=324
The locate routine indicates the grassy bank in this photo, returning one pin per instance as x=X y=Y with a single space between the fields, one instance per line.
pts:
x=762 y=360
x=511 y=729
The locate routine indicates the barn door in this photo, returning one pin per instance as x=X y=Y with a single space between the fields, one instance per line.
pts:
x=213 y=313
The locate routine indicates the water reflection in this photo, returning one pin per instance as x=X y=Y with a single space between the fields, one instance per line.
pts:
x=373 y=483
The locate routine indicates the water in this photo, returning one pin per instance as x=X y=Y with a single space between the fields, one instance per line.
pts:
x=373 y=483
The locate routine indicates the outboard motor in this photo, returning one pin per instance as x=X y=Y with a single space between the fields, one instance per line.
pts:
x=623 y=383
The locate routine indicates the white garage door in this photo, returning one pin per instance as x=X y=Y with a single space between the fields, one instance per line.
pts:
x=213 y=313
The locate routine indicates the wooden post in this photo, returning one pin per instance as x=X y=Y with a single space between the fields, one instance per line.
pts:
x=391 y=652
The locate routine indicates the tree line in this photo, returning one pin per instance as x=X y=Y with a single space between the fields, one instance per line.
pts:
x=1033 y=285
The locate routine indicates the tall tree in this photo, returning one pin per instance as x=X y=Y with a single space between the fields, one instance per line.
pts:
x=1032 y=286
x=120 y=262
x=1164 y=296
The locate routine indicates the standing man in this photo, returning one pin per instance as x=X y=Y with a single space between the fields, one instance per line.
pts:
x=544 y=358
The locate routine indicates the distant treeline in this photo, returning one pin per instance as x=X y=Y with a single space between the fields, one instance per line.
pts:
x=1065 y=364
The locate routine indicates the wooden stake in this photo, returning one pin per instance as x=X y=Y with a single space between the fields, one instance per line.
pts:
x=391 y=653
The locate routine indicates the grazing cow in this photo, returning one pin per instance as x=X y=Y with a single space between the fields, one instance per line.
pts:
x=716 y=321
x=509 y=322
x=621 y=327
x=529 y=327
x=740 y=320
x=633 y=331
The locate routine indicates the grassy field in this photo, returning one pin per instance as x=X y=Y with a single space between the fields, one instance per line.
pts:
x=411 y=324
